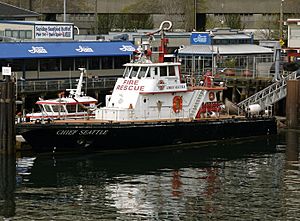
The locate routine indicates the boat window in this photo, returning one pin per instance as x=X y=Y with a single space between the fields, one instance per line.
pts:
x=71 y=108
x=148 y=73
x=58 y=108
x=156 y=71
x=134 y=72
x=127 y=72
x=143 y=72
x=81 y=108
x=163 y=71
x=47 y=108
x=172 y=71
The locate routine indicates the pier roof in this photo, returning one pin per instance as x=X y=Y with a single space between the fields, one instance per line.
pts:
x=23 y=50
x=225 y=49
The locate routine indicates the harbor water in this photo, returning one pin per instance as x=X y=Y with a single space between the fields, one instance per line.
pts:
x=253 y=179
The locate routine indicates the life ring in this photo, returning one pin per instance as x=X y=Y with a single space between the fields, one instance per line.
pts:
x=211 y=96
x=161 y=84
x=177 y=104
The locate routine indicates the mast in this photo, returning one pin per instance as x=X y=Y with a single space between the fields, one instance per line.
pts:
x=79 y=85
x=162 y=50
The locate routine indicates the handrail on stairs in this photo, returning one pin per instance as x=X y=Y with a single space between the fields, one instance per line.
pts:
x=274 y=90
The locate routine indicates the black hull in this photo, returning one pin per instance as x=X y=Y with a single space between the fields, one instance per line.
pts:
x=105 y=136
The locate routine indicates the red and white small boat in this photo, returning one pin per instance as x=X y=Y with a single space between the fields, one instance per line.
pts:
x=76 y=105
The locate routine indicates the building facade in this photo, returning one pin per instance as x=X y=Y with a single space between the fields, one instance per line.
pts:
x=225 y=52
x=101 y=16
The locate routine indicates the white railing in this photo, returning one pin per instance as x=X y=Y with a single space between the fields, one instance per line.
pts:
x=197 y=103
x=270 y=94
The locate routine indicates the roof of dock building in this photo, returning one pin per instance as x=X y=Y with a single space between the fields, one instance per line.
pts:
x=29 y=50
x=225 y=49
x=10 y=11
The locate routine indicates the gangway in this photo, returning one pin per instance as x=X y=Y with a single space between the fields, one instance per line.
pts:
x=271 y=94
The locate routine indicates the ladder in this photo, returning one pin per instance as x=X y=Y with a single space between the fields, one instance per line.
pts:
x=197 y=103
x=270 y=94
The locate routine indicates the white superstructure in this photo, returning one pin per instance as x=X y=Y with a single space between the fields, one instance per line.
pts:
x=155 y=91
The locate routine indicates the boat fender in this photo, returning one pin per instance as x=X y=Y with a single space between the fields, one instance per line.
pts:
x=211 y=96
x=177 y=104
x=254 y=109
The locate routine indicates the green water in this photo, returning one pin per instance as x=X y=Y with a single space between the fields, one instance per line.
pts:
x=257 y=179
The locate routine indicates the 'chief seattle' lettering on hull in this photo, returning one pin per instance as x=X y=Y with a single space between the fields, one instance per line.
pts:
x=81 y=132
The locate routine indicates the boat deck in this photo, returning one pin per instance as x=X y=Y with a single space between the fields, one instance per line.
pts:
x=94 y=121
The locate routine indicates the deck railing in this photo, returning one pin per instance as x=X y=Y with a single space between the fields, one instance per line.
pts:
x=35 y=86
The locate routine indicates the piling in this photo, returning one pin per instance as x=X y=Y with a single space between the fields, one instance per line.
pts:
x=7 y=148
x=7 y=116
x=7 y=186
x=293 y=104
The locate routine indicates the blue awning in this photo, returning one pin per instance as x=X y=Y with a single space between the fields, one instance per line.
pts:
x=20 y=50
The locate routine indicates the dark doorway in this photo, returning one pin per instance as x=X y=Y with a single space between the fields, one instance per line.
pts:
x=201 y=21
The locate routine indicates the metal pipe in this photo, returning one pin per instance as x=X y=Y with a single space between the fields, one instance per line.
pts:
x=281 y=20
x=65 y=10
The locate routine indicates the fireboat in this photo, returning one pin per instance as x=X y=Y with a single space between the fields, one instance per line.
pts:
x=151 y=105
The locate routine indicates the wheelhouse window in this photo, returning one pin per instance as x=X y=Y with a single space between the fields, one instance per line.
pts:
x=163 y=71
x=172 y=71
x=134 y=72
x=127 y=72
x=143 y=72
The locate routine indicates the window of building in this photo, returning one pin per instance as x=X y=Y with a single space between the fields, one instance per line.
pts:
x=107 y=62
x=8 y=33
x=67 y=64
x=17 y=65
x=80 y=63
x=52 y=64
x=120 y=60
x=22 y=34
x=31 y=64
x=94 y=63
x=28 y=34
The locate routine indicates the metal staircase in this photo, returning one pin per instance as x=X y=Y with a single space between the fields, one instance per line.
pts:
x=270 y=94
x=197 y=103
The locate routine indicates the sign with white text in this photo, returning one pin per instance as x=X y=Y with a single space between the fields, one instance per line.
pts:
x=53 y=31
x=6 y=71
x=200 y=38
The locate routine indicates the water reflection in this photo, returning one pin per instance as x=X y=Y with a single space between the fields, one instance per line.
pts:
x=219 y=182
x=292 y=175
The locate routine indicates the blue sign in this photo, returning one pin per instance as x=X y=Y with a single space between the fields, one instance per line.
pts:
x=200 y=38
